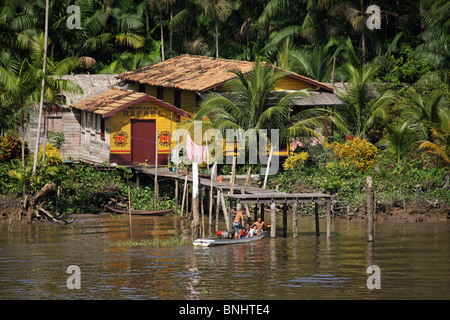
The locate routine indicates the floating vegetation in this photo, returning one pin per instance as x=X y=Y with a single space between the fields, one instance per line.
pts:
x=175 y=241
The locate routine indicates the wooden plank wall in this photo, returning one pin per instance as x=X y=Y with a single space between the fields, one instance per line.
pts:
x=92 y=147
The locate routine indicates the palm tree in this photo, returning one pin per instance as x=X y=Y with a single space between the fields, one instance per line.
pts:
x=363 y=104
x=435 y=47
x=399 y=141
x=219 y=11
x=424 y=115
x=161 y=7
x=355 y=15
x=439 y=142
x=251 y=103
x=316 y=62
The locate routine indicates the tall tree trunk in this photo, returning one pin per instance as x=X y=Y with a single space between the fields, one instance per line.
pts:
x=171 y=34
x=23 y=138
x=363 y=45
x=41 y=104
x=162 y=36
x=217 y=39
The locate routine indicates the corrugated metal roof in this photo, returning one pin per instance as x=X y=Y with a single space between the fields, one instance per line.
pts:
x=197 y=73
x=318 y=99
x=109 y=102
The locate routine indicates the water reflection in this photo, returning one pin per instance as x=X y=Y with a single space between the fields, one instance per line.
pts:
x=413 y=258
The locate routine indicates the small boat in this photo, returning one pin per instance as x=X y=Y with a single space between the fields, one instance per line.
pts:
x=213 y=242
x=139 y=212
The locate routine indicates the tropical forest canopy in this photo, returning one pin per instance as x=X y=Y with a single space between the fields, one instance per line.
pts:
x=327 y=40
x=127 y=34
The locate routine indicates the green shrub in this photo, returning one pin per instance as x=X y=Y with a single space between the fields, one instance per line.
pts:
x=11 y=148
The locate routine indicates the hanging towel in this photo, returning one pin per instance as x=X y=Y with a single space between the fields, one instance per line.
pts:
x=195 y=152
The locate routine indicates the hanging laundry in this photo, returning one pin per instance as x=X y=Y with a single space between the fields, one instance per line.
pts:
x=195 y=152
x=296 y=142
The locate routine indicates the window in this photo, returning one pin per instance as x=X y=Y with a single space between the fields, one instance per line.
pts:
x=102 y=128
x=141 y=87
x=54 y=124
x=160 y=93
x=177 y=98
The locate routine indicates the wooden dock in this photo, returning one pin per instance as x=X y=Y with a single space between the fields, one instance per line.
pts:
x=239 y=195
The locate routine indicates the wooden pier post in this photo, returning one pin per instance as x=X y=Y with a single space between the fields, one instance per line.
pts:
x=195 y=203
x=225 y=213
x=285 y=220
x=176 y=196
x=202 y=209
x=268 y=167
x=211 y=200
x=233 y=175
x=217 y=209
x=370 y=199
x=255 y=211
x=273 y=220
x=316 y=214
x=328 y=219
x=294 y=220
x=184 y=196
x=187 y=201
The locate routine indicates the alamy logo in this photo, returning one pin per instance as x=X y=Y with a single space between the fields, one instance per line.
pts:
x=74 y=20
x=374 y=280
x=374 y=21
x=237 y=143
x=73 y=281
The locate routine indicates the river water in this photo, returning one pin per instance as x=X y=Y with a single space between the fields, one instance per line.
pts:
x=414 y=262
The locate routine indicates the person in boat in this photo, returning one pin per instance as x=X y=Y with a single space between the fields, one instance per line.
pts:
x=252 y=231
x=260 y=224
x=238 y=223
x=243 y=233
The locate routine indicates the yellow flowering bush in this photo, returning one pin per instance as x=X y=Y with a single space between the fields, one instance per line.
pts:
x=295 y=161
x=52 y=155
x=357 y=152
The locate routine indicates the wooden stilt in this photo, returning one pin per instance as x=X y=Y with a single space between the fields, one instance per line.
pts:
x=273 y=221
x=316 y=214
x=261 y=213
x=233 y=175
x=176 y=196
x=202 y=210
x=247 y=180
x=294 y=220
x=196 y=190
x=328 y=219
x=285 y=220
x=217 y=209
x=370 y=199
x=184 y=196
x=268 y=167
x=225 y=213
x=211 y=202
x=187 y=201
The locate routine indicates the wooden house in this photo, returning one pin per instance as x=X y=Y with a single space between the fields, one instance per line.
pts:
x=129 y=124
x=182 y=81
x=119 y=118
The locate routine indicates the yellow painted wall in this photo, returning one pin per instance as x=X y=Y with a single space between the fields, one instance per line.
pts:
x=120 y=125
x=289 y=83
x=286 y=83
x=188 y=101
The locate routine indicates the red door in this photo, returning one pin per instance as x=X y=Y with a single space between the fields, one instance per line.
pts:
x=143 y=138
